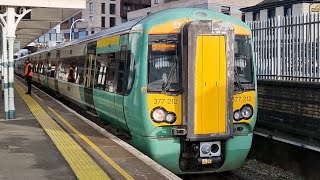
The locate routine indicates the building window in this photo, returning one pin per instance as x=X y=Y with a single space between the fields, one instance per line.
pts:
x=91 y=18
x=271 y=13
x=103 y=21
x=103 y=8
x=256 y=16
x=112 y=21
x=91 y=7
x=112 y=9
x=82 y=33
x=225 y=10
x=288 y=10
x=127 y=8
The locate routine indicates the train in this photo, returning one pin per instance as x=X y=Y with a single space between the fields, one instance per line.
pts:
x=181 y=82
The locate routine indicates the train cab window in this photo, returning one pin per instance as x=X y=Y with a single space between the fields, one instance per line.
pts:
x=164 y=63
x=243 y=60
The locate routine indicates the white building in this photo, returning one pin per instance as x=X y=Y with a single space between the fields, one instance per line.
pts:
x=100 y=14
x=272 y=8
x=229 y=7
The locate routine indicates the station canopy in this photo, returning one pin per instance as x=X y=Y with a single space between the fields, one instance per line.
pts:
x=45 y=15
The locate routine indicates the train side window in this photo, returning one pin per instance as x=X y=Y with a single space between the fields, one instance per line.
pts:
x=121 y=80
x=79 y=69
x=129 y=72
x=110 y=73
x=62 y=71
x=43 y=69
x=102 y=62
x=33 y=67
x=51 y=69
x=36 y=68
x=106 y=68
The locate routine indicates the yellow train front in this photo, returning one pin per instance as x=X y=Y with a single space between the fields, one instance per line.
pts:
x=200 y=91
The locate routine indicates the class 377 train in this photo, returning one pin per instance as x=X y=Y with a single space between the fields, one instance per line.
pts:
x=181 y=82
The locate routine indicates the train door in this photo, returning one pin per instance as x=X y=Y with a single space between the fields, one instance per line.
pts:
x=120 y=81
x=210 y=85
x=208 y=71
x=89 y=74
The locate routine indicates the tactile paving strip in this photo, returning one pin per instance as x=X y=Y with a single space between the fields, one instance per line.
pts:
x=81 y=163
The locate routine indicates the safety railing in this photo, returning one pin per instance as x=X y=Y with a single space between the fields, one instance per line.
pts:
x=287 y=48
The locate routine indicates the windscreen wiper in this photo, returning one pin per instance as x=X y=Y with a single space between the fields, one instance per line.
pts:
x=166 y=86
x=237 y=82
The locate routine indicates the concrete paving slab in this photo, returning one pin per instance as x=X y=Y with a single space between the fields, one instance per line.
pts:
x=26 y=152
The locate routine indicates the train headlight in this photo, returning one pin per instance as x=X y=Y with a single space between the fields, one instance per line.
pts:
x=237 y=115
x=247 y=111
x=171 y=117
x=158 y=114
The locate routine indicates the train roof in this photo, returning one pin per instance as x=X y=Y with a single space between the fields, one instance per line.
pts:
x=154 y=19
x=122 y=28
x=191 y=13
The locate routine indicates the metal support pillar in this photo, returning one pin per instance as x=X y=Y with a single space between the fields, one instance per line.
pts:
x=10 y=24
x=5 y=73
x=1 y=61
x=11 y=35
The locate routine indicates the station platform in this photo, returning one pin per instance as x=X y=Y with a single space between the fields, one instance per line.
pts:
x=48 y=140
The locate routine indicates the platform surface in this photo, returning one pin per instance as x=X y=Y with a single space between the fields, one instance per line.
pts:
x=47 y=141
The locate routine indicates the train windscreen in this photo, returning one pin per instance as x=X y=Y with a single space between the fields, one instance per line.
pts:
x=243 y=60
x=164 y=63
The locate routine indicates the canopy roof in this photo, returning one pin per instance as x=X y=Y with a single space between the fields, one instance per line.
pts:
x=45 y=15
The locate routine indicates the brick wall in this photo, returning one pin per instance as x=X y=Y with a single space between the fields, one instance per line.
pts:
x=292 y=107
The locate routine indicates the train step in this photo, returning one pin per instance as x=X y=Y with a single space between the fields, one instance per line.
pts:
x=92 y=113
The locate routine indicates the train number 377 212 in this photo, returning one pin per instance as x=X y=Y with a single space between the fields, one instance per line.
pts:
x=242 y=99
x=165 y=101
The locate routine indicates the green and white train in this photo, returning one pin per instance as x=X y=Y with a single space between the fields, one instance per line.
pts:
x=181 y=82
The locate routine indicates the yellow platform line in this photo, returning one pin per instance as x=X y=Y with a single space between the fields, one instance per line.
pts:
x=93 y=146
x=81 y=163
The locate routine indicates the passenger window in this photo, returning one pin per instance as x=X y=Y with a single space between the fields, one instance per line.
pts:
x=129 y=73
x=106 y=66
x=79 y=69
x=110 y=75
x=121 y=69
x=102 y=62
x=51 y=69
